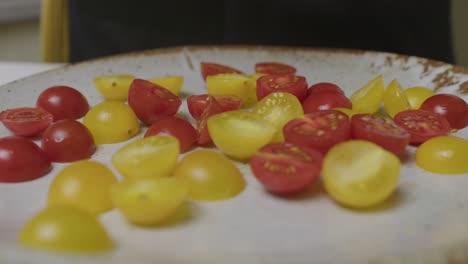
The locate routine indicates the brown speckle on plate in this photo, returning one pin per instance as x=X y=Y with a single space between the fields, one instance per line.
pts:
x=463 y=88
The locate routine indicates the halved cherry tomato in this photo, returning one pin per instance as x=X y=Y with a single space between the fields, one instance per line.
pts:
x=177 y=127
x=286 y=168
x=360 y=174
x=171 y=83
x=274 y=68
x=233 y=84
x=209 y=68
x=417 y=95
x=422 y=125
x=67 y=141
x=212 y=108
x=324 y=87
x=209 y=175
x=288 y=83
x=347 y=111
x=369 y=97
x=325 y=101
x=382 y=131
x=395 y=99
x=151 y=102
x=320 y=130
x=63 y=102
x=240 y=134
x=114 y=87
x=26 y=121
x=198 y=103
x=252 y=85
x=21 y=160
x=452 y=107
x=444 y=154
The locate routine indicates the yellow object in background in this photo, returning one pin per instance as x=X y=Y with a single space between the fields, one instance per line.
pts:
x=171 y=83
x=54 y=33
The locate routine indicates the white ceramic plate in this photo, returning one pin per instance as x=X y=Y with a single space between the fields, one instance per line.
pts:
x=426 y=221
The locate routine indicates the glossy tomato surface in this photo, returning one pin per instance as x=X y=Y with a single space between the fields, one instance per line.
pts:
x=452 y=107
x=422 y=125
x=288 y=83
x=325 y=101
x=114 y=87
x=67 y=141
x=381 y=131
x=324 y=87
x=151 y=102
x=286 y=168
x=444 y=154
x=26 y=121
x=228 y=84
x=274 y=68
x=212 y=108
x=63 y=102
x=177 y=127
x=21 y=160
x=198 y=103
x=209 y=68
x=319 y=130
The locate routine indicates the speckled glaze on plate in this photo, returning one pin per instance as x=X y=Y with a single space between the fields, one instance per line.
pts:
x=425 y=221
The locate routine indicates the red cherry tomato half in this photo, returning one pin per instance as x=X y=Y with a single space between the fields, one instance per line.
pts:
x=287 y=83
x=381 y=131
x=67 y=141
x=212 y=108
x=325 y=101
x=324 y=87
x=422 y=125
x=320 y=130
x=21 y=160
x=198 y=103
x=175 y=126
x=452 y=107
x=208 y=68
x=151 y=102
x=26 y=121
x=274 y=68
x=286 y=168
x=63 y=102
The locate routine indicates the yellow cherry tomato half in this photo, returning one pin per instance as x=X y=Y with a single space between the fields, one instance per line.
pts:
x=395 y=99
x=65 y=229
x=171 y=83
x=148 y=200
x=252 y=86
x=240 y=134
x=278 y=109
x=84 y=184
x=111 y=122
x=360 y=174
x=369 y=97
x=209 y=175
x=228 y=84
x=417 y=95
x=444 y=154
x=114 y=87
x=154 y=156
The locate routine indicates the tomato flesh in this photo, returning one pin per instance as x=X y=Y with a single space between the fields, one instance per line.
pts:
x=26 y=121
x=21 y=160
x=63 y=102
x=452 y=107
x=213 y=108
x=381 y=131
x=209 y=68
x=198 y=103
x=422 y=125
x=285 y=168
x=320 y=130
x=325 y=101
x=274 y=68
x=395 y=99
x=289 y=83
x=368 y=98
x=177 y=127
x=151 y=102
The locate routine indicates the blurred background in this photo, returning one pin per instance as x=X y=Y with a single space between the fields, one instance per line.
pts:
x=20 y=37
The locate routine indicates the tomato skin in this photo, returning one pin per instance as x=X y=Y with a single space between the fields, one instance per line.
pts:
x=324 y=87
x=114 y=87
x=452 y=107
x=417 y=95
x=198 y=103
x=228 y=84
x=67 y=141
x=381 y=131
x=285 y=168
x=422 y=125
x=319 y=130
x=325 y=101
x=369 y=97
x=177 y=127
x=274 y=68
x=26 y=121
x=289 y=83
x=209 y=68
x=444 y=154
x=151 y=102
x=21 y=160
x=63 y=102
x=212 y=108
x=171 y=83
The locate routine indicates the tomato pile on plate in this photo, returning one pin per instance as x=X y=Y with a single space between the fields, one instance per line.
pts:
x=291 y=134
